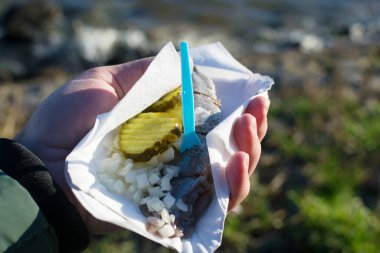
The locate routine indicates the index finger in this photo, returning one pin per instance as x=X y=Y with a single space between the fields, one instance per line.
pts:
x=125 y=75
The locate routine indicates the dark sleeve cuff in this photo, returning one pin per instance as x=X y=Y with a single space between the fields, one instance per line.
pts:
x=23 y=166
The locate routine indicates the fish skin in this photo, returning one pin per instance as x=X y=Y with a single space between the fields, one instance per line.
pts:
x=194 y=184
x=207 y=110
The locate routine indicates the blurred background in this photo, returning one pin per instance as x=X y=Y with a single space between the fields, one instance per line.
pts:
x=316 y=188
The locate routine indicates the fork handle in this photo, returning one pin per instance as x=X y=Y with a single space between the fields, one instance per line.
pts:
x=187 y=91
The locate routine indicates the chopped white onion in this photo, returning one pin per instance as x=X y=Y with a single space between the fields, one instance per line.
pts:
x=166 y=156
x=165 y=183
x=155 y=191
x=166 y=231
x=119 y=186
x=131 y=190
x=143 y=184
x=155 y=221
x=172 y=170
x=168 y=200
x=144 y=201
x=137 y=196
x=165 y=215
x=142 y=180
x=109 y=182
x=103 y=177
x=160 y=165
x=154 y=178
x=181 y=205
x=130 y=177
x=155 y=204
x=172 y=218
x=104 y=165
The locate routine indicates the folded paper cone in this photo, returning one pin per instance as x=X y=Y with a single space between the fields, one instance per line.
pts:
x=235 y=86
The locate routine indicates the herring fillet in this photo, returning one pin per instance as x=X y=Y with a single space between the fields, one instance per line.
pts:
x=194 y=185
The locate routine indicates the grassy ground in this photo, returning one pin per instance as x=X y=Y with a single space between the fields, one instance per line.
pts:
x=316 y=188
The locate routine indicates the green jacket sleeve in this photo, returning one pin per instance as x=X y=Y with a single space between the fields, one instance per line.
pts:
x=23 y=227
x=46 y=211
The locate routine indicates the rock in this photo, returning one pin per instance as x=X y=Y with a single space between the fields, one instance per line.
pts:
x=108 y=45
x=94 y=44
x=357 y=32
x=311 y=44
x=33 y=21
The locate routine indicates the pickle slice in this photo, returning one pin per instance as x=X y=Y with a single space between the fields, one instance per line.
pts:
x=148 y=134
x=176 y=112
x=167 y=101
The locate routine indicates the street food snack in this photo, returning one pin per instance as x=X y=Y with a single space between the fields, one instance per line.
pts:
x=171 y=189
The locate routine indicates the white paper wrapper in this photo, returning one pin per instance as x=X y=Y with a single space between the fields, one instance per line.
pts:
x=235 y=86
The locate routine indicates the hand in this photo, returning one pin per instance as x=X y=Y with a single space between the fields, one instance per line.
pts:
x=249 y=130
x=64 y=118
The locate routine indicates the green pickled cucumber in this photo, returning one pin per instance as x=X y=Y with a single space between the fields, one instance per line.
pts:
x=176 y=112
x=166 y=102
x=148 y=134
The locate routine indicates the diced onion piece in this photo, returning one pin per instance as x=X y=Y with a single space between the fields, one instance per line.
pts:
x=165 y=215
x=155 y=204
x=152 y=162
x=167 y=155
x=144 y=201
x=137 y=196
x=131 y=190
x=181 y=205
x=165 y=183
x=150 y=201
x=160 y=165
x=103 y=177
x=130 y=177
x=127 y=166
x=109 y=166
x=116 y=156
x=153 y=179
x=123 y=171
x=172 y=218
x=104 y=165
x=155 y=221
x=109 y=182
x=119 y=186
x=168 y=200
x=128 y=162
x=166 y=231
x=142 y=180
x=172 y=170
x=155 y=191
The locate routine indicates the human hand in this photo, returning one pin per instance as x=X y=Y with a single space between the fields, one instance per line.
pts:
x=248 y=131
x=64 y=118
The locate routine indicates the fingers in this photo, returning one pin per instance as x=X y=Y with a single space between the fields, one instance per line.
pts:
x=258 y=108
x=125 y=75
x=248 y=131
x=247 y=140
x=237 y=178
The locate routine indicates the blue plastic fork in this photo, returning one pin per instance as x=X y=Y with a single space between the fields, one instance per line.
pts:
x=190 y=138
